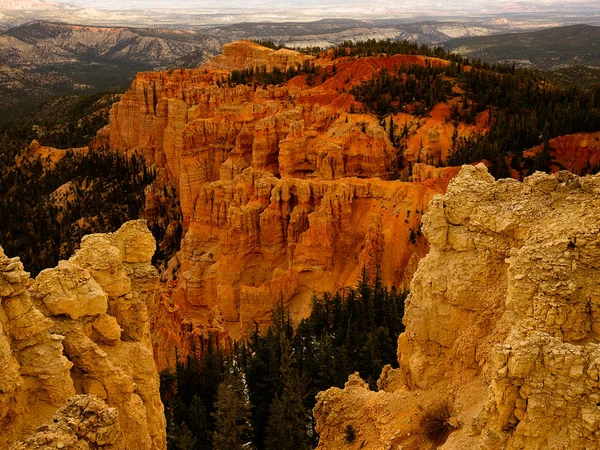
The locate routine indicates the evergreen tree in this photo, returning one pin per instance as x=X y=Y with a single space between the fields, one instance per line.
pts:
x=288 y=417
x=198 y=426
x=282 y=369
x=183 y=439
x=232 y=415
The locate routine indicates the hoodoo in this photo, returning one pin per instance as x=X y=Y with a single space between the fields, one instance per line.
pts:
x=75 y=349
x=285 y=189
x=501 y=348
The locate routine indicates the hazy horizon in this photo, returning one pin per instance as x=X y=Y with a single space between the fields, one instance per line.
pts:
x=533 y=14
x=384 y=6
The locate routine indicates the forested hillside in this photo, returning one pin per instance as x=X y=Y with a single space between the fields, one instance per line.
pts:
x=550 y=49
x=260 y=393
x=525 y=107
x=51 y=198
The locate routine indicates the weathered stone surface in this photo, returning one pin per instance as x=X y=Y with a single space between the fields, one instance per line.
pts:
x=502 y=321
x=283 y=188
x=86 y=422
x=94 y=340
x=70 y=290
x=34 y=374
x=246 y=55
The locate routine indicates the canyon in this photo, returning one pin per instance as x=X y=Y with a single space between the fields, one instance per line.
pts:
x=290 y=189
x=285 y=190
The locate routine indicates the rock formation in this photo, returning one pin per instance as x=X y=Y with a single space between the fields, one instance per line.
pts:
x=284 y=189
x=578 y=153
x=82 y=328
x=246 y=54
x=502 y=322
x=85 y=422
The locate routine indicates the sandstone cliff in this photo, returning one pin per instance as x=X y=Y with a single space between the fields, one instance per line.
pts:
x=284 y=189
x=245 y=55
x=578 y=153
x=502 y=322
x=82 y=328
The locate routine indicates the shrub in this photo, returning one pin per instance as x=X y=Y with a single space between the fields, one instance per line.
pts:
x=434 y=422
x=349 y=434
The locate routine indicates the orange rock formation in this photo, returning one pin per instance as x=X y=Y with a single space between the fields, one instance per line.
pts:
x=283 y=191
x=578 y=153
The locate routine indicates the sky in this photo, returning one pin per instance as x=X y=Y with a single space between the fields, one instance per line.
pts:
x=489 y=6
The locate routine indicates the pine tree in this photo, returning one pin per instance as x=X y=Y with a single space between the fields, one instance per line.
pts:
x=232 y=415
x=183 y=439
x=197 y=423
x=288 y=417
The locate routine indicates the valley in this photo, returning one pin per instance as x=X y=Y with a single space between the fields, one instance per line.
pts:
x=301 y=209
x=551 y=49
x=40 y=60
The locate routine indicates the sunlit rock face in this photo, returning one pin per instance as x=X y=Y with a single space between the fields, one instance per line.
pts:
x=502 y=322
x=82 y=328
x=285 y=190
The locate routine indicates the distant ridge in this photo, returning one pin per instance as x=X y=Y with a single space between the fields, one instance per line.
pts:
x=40 y=60
x=550 y=49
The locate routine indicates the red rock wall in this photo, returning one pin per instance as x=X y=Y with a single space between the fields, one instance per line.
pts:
x=283 y=191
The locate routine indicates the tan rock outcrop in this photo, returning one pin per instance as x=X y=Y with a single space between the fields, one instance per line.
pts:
x=84 y=423
x=502 y=321
x=245 y=55
x=35 y=375
x=82 y=327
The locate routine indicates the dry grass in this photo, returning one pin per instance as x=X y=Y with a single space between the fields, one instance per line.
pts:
x=434 y=422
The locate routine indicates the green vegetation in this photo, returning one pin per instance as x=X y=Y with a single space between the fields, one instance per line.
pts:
x=524 y=112
x=232 y=413
x=62 y=122
x=584 y=77
x=388 y=92
x=524 y=109
x=281 y=369
x=100 y=191
x=349 y=434
x=260 y=76
x=373 y=47
x=545 y=49
x=434 y=422
x=268 y=44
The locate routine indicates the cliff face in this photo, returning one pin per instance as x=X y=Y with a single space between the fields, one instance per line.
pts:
x=578 y=153
x=245 y=55
x=283 y=189
x=82 y=328
x=502 y=322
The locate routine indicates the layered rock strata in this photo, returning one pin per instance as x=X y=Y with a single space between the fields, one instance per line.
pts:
x=283 y=188
x=246 y=54
x=82 y=328
x=502 y=322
